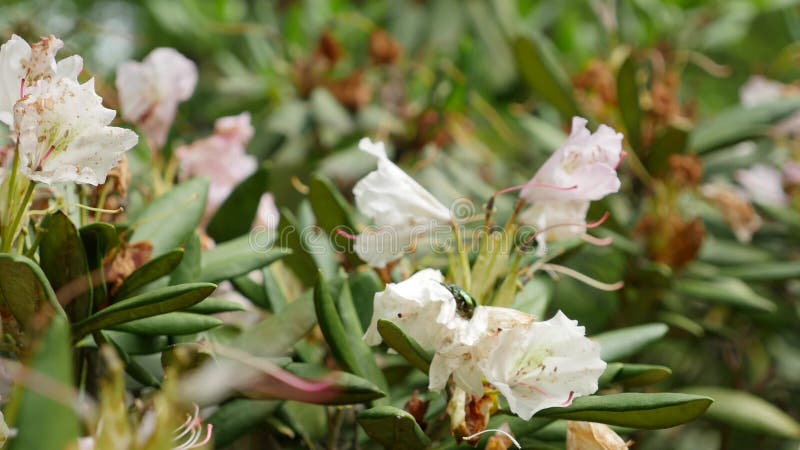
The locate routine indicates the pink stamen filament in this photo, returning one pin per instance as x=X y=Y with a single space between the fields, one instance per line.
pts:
x=621 y=157
x=345 y=234
x=537 y=185
x=569 y=399
x=583 y=278
x=46 y=155
x=21 y=88
x=600 y=242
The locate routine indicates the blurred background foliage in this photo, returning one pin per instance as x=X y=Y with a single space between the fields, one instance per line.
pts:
x=473 y=95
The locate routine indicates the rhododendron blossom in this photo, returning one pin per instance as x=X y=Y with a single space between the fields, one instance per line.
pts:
x=400 y=208
x=150 y=91
x=23 y=65
x=583 y=169
x=764 y=184
x=63 y=134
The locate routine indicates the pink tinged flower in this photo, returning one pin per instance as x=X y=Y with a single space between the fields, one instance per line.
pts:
x=460 y=351
x=221 y=158
x=543 y=365
x=23 y=65
x=421 y=306
x=587 y=162
x=267 y=214
x=150 y=91
x=791 y=173
x=400 y=208
x=557 y=220
x=764 y=184
x=63 y=134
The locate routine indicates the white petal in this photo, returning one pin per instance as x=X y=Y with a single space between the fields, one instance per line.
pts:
x=12 y=55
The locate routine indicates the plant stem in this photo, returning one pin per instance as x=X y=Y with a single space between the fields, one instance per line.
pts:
x=23 y=207
x=463 y=259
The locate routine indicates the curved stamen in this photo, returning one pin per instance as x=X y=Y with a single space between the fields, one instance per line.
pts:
x=583 y=278
x=622 y=156
x=344 y=234
x=594 y=240
x=496 y=430
x=21 y=88
x=536 y=185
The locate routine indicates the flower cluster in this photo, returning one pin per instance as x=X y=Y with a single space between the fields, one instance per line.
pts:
x=535 y=365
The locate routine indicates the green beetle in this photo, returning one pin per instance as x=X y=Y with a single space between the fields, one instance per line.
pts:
x=465 y=304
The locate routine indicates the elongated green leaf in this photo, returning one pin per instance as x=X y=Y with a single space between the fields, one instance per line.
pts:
x=404 y=345
x=739 y=124
x=181 y=208
x=31 y=411
x=63 y=259
x=727 y=291
x=641 y=374
x=764 y=271
x=745 y=411
x=628 y=100
x=393 y=428
x=150 y=271
x=149 y=304
x=276 y=299
x=188 y=270
x=644 y=411
x=170 y=324
x=625 y=342
x=132 y=367
x=98 y=238
x=237 y=257
x=363 y=286
x=25 y=289
x=213 y=305
x=332 y=328
x=275 y=335
x=540 y=69
x=236 y=214
x=251 y=289
x=134 y=344
x=332 y=211
x=237 y=417
x=300 y=261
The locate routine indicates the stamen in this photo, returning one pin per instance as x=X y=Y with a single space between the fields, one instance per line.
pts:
x=537 y=185
x=594 y=240
x=298 y=185
x=344 y=234
x=621 y=157
x=598 y=222
x=583 y=278
x=496 y=430
x=46 y=155
x=569 y=399
x=21 y=88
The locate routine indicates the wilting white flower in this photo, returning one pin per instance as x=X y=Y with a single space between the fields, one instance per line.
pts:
x=592 y=436
x=759 y=90
x=400 y=208
x=421 y=306
x=586 y=162
x=150 y=91
x=459 y=351
x=583 y=169
x=764 y=184
x=23 y=65
x=543 y=365
x=221 y=157
x=735 y=207
x=63 y=134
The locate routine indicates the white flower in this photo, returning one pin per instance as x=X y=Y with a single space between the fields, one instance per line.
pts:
x=586 y=162
x=400 y=208
x=221 y=157
x=460 y=351
x=759 y=90
x=542 y=365
x=562 y=219
x=23 y=65
x=267 y=214
x=421 y=306
x=764 y=184
x=63 y=134
x=149 y=91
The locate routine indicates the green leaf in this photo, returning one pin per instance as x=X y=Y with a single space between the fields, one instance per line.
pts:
x=634 y=410
x=25 y=289
x=236 y=214
x=153 y=303
x=672 y=140
x=273 y=291
x=393 y=428
x=213 y=305
x=764 y=271
x=403 y=344
x=641 y=374
x=98 y=238
x=332 y=212
x=739 y=124
x=625 y=342
x=628 y=100
x=149 y=272
x=540 y=69
x=188 y=270
x=63 y=259
x=346 y=388
x=237 y=257
x=332 y=328
x=171 y=219
x=275 y=335
x=132 y=367
x=134 y=344
x=300 y=261
x=252 y=290
x=170 y=324
x=42 y=421
x=745 y=411
x=363 y=286
x=726 y=291
x=236 y=417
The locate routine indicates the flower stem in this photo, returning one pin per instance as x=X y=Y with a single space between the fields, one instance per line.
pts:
x=11 y=232
x=463 y=278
